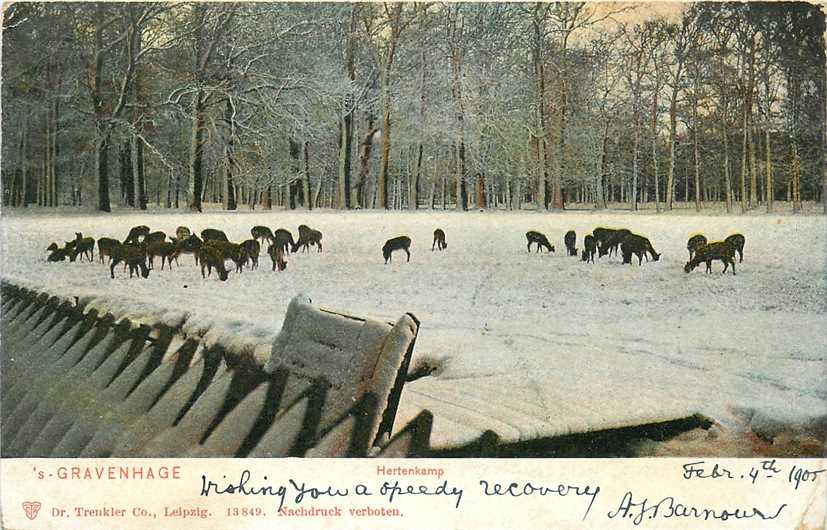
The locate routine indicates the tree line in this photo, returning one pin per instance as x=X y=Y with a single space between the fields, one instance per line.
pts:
x=413 y=105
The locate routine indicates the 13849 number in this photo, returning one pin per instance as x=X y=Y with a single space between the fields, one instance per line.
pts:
x=244 y=512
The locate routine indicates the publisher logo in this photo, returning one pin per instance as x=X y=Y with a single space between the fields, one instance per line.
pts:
x=31 y=509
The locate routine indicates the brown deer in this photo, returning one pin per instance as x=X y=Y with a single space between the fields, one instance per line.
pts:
x=262 y=233
x=540 y=239
x=737 y=241
x=211 y=258
x=251 y=250
x=166 y=250
x=276 y=253
x=283 y=239
x=182 y=232
x=611 y=241
x=639 y=246
x=719 y=250
x=84 y=246
x=105 y=245
x=439 y=240
x=570 y=240
x=307 y=236
x=132 y=255
x=211 y=234
x=590 y=249
x=231 y=251
x=57 y=254
x=135 y=233
x=694 y=243
x=396 y=243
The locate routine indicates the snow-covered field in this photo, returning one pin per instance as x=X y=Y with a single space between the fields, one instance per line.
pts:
x=574 y=339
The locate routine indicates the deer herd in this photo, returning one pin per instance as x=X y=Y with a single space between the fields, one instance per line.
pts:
x=213 y=249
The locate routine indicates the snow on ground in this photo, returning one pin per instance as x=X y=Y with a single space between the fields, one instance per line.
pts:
x=546 y=329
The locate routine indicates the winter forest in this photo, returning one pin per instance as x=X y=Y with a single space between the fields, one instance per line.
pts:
x=413 y=105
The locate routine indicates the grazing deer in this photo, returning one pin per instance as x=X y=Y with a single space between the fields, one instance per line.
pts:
x=611 y=242
x=57 y=254
x=182 y=232
x=570 y=240
x=307 y=236
x=136 y=232
x=84 y=246
x=439 y=240
x=540 y=239
x=211 y=234
x=211 y=257
x=189 y=245
x=283 y=239
x=719 y=250
x=251 y=249
x=105 y=245
x=262 y=233
x=639 y=246
x=737 y=241
x=155 y=237
x=132 y=255
x=277 y=257
x=166 y=250
x=694 y=243
x=590 y=249
x=396 y=243
x=231 y=251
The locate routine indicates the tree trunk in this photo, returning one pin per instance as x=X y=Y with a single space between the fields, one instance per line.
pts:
x=769 y=188
x=365 y=148
x=414 y=200
x=479 y=192
x=306 y=179
x=635 y=150
x=346 y=121
x=137 y=151
x=727 y=178
x=102 y=170
x=655 y=146
x=196 y=183
x=127 y=172
x=599 y=191
x=382 y=178
x=540 y=97
x=101 y=130
x=459 y=124
x=673 y=120
x=228 y=186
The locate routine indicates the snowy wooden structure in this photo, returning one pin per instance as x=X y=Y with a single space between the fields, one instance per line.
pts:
x=80 y=384
x=76 y=383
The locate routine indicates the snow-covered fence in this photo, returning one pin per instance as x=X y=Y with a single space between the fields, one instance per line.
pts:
x=79 y=384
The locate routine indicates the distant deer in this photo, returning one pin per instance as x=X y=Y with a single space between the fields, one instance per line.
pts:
x=283 y=239
x=570 y=240
x=307 y=236
x=439 y=240
x=261 y=233
x=540 y=239
x=277 y=257
x=737 y=241
x=590 y=249
x=84 y=246
x=211 y=234
x=396 y=243
x=694 y=243
x=136 y=232
x=719 y=250
x=211 y=258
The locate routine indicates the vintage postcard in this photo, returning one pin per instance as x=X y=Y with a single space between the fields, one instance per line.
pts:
x=413 y=265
